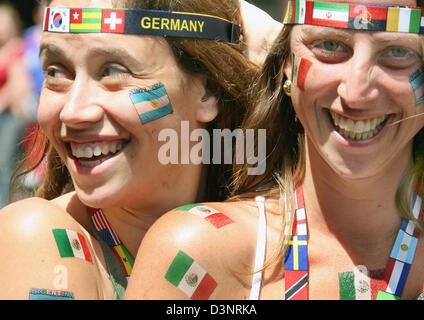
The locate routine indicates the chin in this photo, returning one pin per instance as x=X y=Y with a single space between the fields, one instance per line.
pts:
x=102 y=197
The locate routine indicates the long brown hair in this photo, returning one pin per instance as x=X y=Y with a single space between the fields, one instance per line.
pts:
x=229 y=74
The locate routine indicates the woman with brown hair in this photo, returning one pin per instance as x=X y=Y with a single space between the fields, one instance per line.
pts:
x=112 y=87
x=338 y=211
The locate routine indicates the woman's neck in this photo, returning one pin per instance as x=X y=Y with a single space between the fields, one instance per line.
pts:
x=361 y=213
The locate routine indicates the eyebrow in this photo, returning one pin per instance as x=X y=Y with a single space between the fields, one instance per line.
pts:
x=334 y=31
x=52 y=50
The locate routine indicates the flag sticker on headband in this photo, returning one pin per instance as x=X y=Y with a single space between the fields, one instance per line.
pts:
x=151 y=103
x=57 y=19
x=298 y=13
x=417 y=83
x=113 y=21
x=86 y=20
x=330 y=15
x=403 y=20
x=369 y=17
x=140 y=21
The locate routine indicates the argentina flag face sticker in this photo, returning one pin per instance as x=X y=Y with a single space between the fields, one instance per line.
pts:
x=57 y=19
x=151 y=102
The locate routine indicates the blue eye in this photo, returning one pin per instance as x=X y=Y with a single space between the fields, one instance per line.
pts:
x=399 y=52
x=330 y=51
x=330 y=45
x=399 y=58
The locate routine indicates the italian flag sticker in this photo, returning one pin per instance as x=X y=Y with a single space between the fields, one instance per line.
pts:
x=188 y=276
x=71 y=244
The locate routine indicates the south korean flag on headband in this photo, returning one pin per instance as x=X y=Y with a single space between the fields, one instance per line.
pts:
x=57 y=19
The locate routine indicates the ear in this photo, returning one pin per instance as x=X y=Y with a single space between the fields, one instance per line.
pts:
x=208 y=105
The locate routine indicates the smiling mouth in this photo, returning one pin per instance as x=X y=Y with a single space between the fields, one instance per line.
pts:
x=357 y=130
x=94 y=153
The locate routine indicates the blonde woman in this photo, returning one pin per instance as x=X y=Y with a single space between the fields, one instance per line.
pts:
x=337 y=214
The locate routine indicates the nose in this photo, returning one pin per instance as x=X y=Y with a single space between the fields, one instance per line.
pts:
x=359 y=85
x=83 y=107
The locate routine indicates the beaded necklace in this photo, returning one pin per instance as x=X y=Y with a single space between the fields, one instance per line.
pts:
x=397 y=269
x=104 y=229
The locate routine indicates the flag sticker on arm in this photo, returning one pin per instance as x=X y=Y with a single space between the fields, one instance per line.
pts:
x=215 y=217
x=151 y=103
x=71 y=244
x=48 y=294
x=188 y=276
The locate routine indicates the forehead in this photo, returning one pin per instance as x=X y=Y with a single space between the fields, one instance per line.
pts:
x=139 y=46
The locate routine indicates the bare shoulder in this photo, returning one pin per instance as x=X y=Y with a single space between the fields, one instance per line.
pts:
x=220 y=238
x=35 y=235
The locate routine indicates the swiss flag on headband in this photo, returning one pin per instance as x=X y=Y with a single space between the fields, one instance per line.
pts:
x=113 y=21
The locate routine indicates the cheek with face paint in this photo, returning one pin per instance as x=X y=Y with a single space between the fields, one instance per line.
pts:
x=300 y=71
x=417 y=82
x=151 y=103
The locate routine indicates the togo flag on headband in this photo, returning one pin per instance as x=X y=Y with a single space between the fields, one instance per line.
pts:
x=151 y=103
x=57 y=19
x=188 y=276
x=71 y=244
x=215 y=217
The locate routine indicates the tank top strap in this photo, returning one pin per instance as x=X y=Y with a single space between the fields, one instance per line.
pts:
x=260 y=250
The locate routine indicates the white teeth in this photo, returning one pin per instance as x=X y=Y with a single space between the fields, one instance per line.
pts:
x=105 y=149
x=97 y=151
x=94 y=149
x=357 y=130
x=88 y=152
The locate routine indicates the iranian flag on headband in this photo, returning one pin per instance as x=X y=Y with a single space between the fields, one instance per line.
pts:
x=188 y=276
x=330 y=15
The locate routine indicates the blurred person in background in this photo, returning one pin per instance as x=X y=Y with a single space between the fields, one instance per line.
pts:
x=13 y=86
